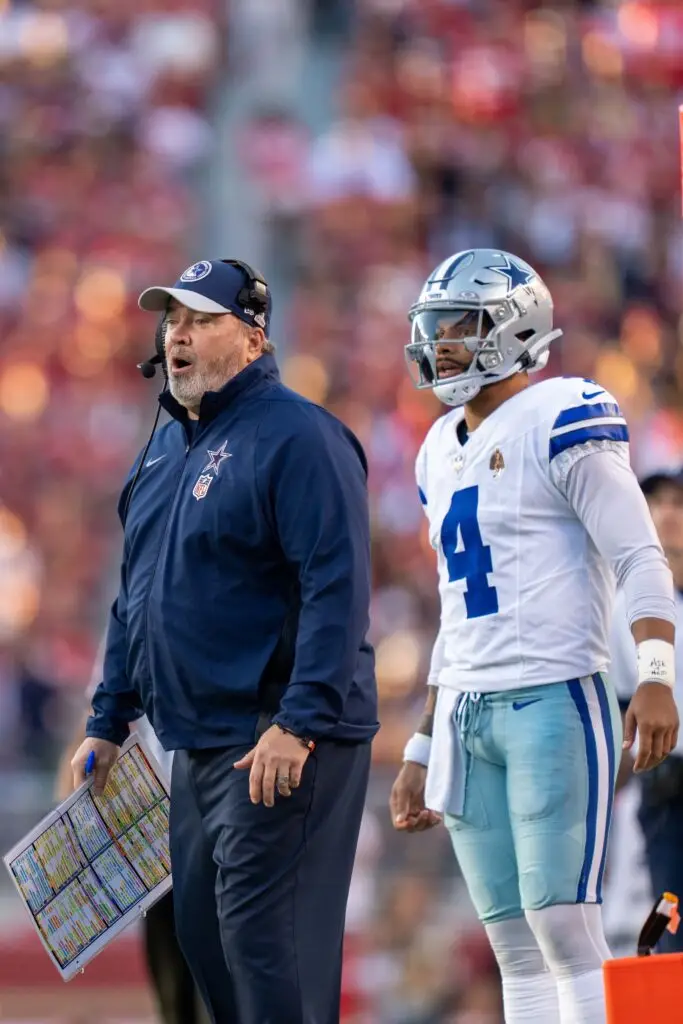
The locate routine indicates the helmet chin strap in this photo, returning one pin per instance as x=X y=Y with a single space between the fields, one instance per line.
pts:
x=444 y=392
x=480 y=385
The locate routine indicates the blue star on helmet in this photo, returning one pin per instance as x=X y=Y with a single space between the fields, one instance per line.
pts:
x=216 y=458
x=515 y=274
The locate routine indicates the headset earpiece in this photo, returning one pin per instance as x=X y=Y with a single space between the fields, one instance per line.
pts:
x=257 y=292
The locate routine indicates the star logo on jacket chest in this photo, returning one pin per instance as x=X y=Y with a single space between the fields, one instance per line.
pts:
x=210 y=471
x=216 y=459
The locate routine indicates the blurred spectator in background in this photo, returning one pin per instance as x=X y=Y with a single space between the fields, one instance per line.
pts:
x=103 y=127
x=550 y=130
x=660 y=809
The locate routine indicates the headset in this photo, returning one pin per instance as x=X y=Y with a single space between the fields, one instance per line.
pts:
x=253 y=296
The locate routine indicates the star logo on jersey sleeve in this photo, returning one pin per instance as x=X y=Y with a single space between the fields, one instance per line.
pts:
x=216 y=458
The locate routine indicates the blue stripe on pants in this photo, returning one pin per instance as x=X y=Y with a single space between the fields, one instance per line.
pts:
x=579 y=698
x=601 y=691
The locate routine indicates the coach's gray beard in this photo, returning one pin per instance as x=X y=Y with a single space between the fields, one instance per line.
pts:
x=189 y=388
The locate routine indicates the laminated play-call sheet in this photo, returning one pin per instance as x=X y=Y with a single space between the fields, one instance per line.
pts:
x=94 y=864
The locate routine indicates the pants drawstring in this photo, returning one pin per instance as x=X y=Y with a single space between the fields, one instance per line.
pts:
x=467 y=717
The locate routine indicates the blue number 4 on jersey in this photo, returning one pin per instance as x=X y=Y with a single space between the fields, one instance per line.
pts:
x=473 y=562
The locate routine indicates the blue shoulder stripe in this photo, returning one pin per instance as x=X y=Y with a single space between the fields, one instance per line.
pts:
x=423 y=496
x=586 y=412
x=599 y=432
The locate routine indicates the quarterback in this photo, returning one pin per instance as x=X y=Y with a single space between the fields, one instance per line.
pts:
x=536 y=517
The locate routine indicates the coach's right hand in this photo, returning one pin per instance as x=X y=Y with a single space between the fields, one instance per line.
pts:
x=407 y=801
x=105 y=755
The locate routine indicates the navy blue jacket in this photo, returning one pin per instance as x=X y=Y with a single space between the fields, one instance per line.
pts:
x=245 y=582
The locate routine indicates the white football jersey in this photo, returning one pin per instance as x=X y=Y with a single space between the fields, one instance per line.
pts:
x=526 y=598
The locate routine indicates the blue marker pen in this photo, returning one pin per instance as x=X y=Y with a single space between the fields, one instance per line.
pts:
x=90 y=763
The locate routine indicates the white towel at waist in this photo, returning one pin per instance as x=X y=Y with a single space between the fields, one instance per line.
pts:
x=445 y=788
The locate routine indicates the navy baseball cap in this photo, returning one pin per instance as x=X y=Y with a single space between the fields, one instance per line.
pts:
x=216 y=286
x=649 y=484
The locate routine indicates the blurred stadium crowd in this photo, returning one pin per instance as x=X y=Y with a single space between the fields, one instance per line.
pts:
x=548 y=130
x=103 y=125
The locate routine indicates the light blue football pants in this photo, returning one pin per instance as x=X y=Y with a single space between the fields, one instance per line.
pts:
x=540 y=767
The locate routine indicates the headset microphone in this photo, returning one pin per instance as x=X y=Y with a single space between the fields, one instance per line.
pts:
x=148 y=368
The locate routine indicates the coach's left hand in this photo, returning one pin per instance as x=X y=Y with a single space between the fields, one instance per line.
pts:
x=277 y=760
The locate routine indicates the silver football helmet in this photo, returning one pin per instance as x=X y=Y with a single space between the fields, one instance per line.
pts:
x=496 y=306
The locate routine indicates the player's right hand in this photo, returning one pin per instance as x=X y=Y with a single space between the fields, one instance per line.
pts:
x=105 y=755
x=407 y=800
x=653 y=714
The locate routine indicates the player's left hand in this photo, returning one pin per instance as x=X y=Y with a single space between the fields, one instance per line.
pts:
x=276 y=761
x=653 y=715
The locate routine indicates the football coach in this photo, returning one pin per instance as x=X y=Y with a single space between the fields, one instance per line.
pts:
x=240 y=631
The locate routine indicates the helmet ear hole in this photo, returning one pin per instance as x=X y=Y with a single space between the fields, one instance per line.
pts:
x=525 y=335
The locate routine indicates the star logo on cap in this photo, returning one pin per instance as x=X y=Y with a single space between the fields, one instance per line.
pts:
x=197 y=271
x=216 y=459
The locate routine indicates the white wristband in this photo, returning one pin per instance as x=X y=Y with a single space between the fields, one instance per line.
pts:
x=656 y=662
x=417 y=749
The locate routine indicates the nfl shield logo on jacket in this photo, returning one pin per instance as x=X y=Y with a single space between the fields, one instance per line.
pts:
x=202 y=486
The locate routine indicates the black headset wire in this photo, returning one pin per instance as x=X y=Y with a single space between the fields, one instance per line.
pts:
x=159 y=345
